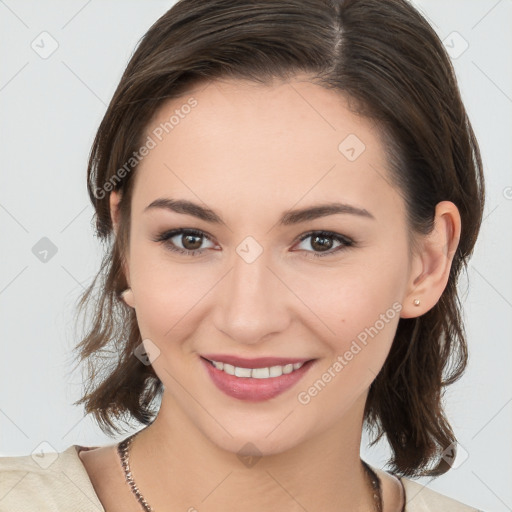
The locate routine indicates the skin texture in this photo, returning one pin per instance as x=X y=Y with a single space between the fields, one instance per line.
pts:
x=250 y=153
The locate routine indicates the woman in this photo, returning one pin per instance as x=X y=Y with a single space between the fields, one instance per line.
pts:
x=290 y=190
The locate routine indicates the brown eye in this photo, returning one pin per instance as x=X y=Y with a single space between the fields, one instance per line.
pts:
x=183 y=241
x=191 y=242
x=322 y=243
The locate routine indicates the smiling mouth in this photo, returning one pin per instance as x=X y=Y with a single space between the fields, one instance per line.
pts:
x=256 y=383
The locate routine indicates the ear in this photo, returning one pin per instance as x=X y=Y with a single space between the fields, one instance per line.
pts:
x=432 y=261
x=115 y=198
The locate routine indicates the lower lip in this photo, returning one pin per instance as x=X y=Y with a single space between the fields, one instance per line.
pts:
x=254 y=390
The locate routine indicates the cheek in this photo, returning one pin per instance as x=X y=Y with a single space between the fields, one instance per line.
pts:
x=355 y=309
x=359 y=320
x=168 y=294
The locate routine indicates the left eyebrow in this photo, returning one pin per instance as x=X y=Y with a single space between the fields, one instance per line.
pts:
x=322 y=210
x=288 y=218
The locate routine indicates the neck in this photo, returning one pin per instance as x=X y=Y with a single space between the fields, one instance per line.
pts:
x=176 y=466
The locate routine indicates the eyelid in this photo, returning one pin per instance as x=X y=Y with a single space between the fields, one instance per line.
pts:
x=323 y=232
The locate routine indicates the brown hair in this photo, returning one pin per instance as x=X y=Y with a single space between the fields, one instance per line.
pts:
x=390 y=63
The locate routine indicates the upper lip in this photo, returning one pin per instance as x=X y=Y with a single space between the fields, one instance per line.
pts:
x=259 y=362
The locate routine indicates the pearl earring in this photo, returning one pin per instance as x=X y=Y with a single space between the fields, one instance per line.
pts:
x=416 y=302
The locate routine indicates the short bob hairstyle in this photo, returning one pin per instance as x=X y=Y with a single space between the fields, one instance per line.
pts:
x=390 y=64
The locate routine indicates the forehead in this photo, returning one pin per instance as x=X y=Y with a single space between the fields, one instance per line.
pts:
x=238 y=142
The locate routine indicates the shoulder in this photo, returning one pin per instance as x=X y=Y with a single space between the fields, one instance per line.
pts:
x=419 y=498
x=46 y=481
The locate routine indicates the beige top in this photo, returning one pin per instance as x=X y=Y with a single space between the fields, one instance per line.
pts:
x=60 y=483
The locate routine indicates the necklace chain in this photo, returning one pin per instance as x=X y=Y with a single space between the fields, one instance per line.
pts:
x=123 y=450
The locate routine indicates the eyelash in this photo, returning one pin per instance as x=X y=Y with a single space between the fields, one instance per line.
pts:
x=167 y=235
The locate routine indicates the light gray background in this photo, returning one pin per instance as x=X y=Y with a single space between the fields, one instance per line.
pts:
x=50 y=110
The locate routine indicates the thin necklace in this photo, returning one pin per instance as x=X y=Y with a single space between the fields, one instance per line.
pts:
x=123 y=450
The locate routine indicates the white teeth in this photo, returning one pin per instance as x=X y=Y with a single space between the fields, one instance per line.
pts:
x=257 y=373
x=242 y=372
x=260 y=373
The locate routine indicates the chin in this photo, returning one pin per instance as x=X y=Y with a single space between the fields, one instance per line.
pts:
x=270 y=439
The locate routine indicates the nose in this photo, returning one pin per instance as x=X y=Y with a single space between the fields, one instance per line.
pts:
x=252 y=301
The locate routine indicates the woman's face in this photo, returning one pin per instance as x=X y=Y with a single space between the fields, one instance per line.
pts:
x=250 y=161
